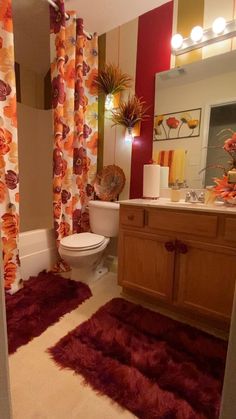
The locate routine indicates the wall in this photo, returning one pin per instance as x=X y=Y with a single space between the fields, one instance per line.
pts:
x=142 y=48
x=35 y=165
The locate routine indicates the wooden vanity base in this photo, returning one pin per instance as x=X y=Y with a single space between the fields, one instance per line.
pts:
x=183 y=261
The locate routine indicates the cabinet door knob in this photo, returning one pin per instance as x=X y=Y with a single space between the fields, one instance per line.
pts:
x=170 y=246
x=130 y=217
x=181 y=247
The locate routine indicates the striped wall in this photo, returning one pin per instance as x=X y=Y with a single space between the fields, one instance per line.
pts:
x=142 y=48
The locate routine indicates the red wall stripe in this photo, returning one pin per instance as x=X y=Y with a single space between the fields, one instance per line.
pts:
x=153 y=55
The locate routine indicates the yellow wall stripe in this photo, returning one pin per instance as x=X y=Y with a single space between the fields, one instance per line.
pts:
x=190 y=14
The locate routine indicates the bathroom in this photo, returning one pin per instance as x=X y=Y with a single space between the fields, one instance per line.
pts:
x=135 y=38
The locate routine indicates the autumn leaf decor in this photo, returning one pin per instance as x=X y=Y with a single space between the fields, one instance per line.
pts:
x=111 y=81
x=130 y=114
x=225 y=187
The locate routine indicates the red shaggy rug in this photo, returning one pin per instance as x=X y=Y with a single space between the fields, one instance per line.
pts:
x=39 y=304
x=154 y=366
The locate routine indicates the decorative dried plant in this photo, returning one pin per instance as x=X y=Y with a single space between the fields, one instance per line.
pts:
x=111 y=80
x=130 y=112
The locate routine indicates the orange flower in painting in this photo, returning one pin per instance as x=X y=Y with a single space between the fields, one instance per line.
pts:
x=10 y=111
x=6 y=15
x=70 y=74
x=90 y=82
x=9 y=274
x=5 y=140
x=93 y=144
x=3 y=191
x=17 y=197
x=10 y=225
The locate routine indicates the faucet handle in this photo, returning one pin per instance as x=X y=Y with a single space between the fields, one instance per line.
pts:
x=187 y=196
x=201 y=197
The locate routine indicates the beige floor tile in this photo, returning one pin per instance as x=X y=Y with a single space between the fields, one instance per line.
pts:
x=40 y=390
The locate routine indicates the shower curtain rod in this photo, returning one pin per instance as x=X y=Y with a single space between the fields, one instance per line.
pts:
x=53 y=4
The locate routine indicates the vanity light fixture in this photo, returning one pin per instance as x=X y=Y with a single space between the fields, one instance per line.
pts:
x=196 y=34
x=200 y=37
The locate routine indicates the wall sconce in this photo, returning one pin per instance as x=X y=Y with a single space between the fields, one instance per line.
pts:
x=200 y=37
x=132 y=132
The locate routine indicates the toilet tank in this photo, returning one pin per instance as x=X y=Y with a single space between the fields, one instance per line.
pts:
x=104 y=218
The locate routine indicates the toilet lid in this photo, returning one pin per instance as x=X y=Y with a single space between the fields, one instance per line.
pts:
x=82 y=241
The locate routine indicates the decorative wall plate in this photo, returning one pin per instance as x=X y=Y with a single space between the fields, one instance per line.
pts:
x=109 y=183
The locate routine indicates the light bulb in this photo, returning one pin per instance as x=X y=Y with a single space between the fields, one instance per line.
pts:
x=219 y=25
x=129 y=135
x=109 y=103
x=196 y=33
x=177 y=41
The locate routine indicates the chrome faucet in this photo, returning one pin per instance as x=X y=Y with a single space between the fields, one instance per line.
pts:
x=192 y=197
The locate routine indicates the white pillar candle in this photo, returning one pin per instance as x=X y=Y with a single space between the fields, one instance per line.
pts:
x=151 y=181
x=164 y=183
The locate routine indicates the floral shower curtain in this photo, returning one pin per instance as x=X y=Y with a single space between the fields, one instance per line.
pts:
x=9 y=178
x=75 y=110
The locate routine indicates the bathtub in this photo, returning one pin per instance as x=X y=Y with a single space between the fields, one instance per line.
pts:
x=37 y=251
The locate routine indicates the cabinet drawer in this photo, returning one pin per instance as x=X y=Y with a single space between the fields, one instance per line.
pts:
x=184 y=222
x=230 y=229
x=132 y=217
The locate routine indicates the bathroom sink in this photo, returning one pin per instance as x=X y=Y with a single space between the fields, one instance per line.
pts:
x=183 y=203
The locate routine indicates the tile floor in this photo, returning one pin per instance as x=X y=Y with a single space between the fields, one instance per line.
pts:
x=40 y=390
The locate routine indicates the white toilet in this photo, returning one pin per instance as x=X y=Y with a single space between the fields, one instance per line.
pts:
x=84 y=252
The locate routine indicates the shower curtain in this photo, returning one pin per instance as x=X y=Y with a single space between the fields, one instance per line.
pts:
x=74 y=65
x=9 y=177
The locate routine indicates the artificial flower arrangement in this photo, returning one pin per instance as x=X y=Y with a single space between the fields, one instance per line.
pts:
x=130 y=114
x=111 y=81
x=225 y=187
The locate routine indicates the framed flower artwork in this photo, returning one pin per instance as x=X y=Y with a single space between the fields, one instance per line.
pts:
x=172 y=126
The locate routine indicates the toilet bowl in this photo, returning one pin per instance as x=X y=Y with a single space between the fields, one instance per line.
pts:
x=84 y=251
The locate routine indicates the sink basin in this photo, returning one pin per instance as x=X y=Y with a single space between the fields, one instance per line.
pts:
x=182 y=202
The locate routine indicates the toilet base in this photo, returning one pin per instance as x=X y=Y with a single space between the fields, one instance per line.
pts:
x=88 y=276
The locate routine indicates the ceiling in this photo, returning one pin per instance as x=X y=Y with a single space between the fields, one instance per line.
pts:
x=31 y=24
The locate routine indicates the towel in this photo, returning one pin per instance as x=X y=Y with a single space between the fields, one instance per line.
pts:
x=175 y=160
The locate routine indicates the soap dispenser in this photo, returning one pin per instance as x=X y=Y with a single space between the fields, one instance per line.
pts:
x=175 y=192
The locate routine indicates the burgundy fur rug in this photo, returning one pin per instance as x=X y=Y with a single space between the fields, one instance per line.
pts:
x=39 y=304
x=154 y=366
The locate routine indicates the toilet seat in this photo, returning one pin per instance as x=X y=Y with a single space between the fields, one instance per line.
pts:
x=82 y=242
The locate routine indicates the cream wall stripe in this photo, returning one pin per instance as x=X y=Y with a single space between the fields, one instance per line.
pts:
x=190 y=14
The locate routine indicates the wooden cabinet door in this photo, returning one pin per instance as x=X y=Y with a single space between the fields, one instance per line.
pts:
x=145 y=264
x=205 y=280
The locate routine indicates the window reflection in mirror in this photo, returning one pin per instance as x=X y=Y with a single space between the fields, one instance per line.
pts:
x=221 y=118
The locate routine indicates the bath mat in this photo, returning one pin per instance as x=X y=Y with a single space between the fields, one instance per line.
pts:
x=152 y=365
x=39 y=304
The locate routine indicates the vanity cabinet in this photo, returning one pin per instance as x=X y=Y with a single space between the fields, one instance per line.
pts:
x=183 y=260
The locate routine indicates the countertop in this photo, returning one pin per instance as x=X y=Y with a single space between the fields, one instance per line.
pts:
x=186 y=206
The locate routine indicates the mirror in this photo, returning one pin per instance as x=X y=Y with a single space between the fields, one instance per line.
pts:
x=194 y=103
